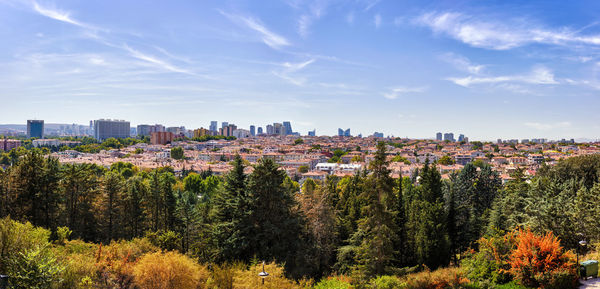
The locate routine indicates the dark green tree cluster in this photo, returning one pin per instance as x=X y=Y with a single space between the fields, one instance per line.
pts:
x=564 y=199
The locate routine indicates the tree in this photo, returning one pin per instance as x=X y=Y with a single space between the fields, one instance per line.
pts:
x=177 y=153
x=112 y=211
x=275 y=226
x=446 y=160
x=377 y=230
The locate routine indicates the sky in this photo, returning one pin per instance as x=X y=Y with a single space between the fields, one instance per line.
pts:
x=486 y=69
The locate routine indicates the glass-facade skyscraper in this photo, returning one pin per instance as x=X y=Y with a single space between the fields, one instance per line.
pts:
x=35 y=128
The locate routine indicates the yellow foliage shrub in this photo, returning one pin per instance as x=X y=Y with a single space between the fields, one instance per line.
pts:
x=249 y=279
x=169 y=270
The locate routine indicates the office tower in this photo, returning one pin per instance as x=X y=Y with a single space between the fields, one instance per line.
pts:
x=252 y=130
x=312 y=132
x=106 y=128
x=228 y=130
x=260 y=130
x=144 y=130
x=91 y=124
x=461 y=137
x=340 y=132
x=378 y=134
x=278 y=128
x=449 y=137
x=224 y=124
x=35 y=128
x=438 y=136
x=200 y=132
x=213 y=126
x=269 y=129
x=287 y=128
x=161 y=138
x=347 y=132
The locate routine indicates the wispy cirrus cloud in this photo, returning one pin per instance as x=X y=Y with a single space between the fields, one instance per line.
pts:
x=462 y=63
x=401 y=90
x=500 y=35
x=156 y=61
x=268 y=37
x=539 y=75
x=289 y=70
x=548 y=126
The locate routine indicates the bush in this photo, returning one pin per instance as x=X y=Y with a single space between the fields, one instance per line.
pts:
x=333 y=283
x=491 y=264
x=169 y=270
x=248 y=279
x=540 y=261
x=441 y=278
x=385 y=282
x=35 y=268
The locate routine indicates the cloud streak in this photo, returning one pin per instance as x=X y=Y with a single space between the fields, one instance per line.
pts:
x=396 y=92
x=548 y=126
x=268 y=37
x=539 y=75
x=500 y=35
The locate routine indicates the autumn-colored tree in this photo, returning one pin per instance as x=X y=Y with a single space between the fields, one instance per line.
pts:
x=170 y=270
x=540 y=261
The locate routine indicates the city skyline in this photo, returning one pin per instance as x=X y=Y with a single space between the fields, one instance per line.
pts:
x=483 y=69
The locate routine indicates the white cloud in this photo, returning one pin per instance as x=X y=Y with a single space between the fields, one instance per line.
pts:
x=371 y=4
x=289 y=71
x=155 y=61
x=304 y=23
x=539 y=75
x=377 y=20
x=462 y=63
x=270 y=38
x=500 y=35
x=55 y=14
x=401 y=90
x=548 y=126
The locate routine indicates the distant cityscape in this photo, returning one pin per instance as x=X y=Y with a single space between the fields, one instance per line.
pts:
x=103 y=129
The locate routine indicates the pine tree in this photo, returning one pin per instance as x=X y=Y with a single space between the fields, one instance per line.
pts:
x=275 y=227
x=230 y=214
x=377 y=230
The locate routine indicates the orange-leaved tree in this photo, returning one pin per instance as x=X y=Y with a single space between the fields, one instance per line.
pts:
x=540 y=261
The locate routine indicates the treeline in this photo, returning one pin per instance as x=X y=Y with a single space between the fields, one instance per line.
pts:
x=364 y=226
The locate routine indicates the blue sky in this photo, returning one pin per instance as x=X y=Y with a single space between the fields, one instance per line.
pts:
x=488 y=69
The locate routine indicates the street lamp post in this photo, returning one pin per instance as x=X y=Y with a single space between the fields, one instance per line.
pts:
x=263 y=274
x=582 y=244
x=3 y=281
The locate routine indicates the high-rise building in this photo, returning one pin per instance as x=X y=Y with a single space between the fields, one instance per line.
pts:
x=287 y=128
x=201 y=132
x=228 y=130
x=270 y=129
x=347 y=132
x=161 y=138
x=278 y=128
x=252 y=130
x=35 y=128
x=260 y=130
x=9 y=144
x=144 y=130
x=106 y=128
x=312 y=132
x=340 y=132
x=438 y=136
x=461 y=137
x=224 y=124
x=213 y=126
x=378 y=134
x=449 y=137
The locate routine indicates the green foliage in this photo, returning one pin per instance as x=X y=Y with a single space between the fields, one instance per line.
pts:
x=177 y=153
x=212 y=137
x=34 y=268
x=400 y=158
x=332 y=283
x=303 y=169
x=298 y=141
x=385 y=282
x=477 y=145
x=446 y=160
